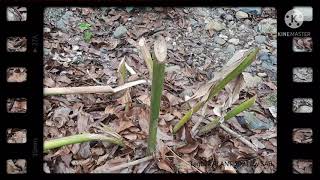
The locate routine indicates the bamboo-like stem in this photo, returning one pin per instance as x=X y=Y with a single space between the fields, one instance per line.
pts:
x=79 y=138
x=232 y=113
x=122 y=71
x=90 y=89
x=160 y=51
x=247 y=60
x=144 y=50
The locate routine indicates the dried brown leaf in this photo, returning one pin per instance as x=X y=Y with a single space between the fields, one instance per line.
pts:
x=164 y=165
x=189 y=148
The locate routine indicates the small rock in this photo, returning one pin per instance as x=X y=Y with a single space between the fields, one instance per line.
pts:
x=210 y=74
x=262 y=75
x=186 y=93
x=193 y=22
x=219 y=40
x=264 y=56
x=174 y=68
x=251 y=81
x=46 y=29
x=268 y=66
x=274 y=44
x=260 y=39
x=228 y=17
x=215 y=25
x=189 y=62
x=75 y=47
x=252 y=10
x=231 y=49
x=255 y=123
x=247 y=22
x=120 y=31
x=129 y=9
x=241 y=15
x=242 y=27
x=234 y=41
x=223 y=36
x=268 y=25
x=273 y=59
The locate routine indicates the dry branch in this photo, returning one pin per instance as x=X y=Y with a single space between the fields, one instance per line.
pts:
x=122 y=166
x=90 y=89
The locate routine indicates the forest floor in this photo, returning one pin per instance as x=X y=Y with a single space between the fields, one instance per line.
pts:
x=200 y=42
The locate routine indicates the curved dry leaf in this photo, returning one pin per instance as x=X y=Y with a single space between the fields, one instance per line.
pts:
x=160 y=49
x=162 y=164
x=187 y=149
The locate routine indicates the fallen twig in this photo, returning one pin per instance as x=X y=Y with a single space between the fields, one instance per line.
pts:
x=90 y=89
x=184 y=160
x=125 y=165
x=238 y=136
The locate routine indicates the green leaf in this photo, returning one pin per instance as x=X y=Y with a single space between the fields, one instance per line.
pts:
x=84 y=26
x=87 y=36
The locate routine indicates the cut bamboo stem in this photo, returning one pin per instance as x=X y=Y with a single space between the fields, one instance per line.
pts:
x=232 y=113
x=79 y=138
x=122 y=71
x=90 y=89
x=247 y=60
x=160 y=52
x=144 y=50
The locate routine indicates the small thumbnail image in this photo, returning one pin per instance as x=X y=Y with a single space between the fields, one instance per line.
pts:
x=16 y=13
x=302 y=135
x=302 y=166
x=302 y=44
x=302 y=74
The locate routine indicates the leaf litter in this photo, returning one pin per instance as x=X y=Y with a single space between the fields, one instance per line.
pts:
x=68 y=58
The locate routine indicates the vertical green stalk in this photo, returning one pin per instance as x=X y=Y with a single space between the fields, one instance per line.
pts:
x=247 y=60
x=158 y=67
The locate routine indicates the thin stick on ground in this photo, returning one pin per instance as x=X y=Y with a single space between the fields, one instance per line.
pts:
x=90 y=89
x=125 y=165
x=184 y=160
x=238 y=136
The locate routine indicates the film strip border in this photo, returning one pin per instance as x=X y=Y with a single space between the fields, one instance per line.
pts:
x=289 y=90
x=32 y=90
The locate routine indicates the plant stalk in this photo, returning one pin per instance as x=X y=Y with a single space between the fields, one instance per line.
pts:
x=79 y=138
x=158 y=68
x=156 y=92
x=214 y=90
x=232 y=113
